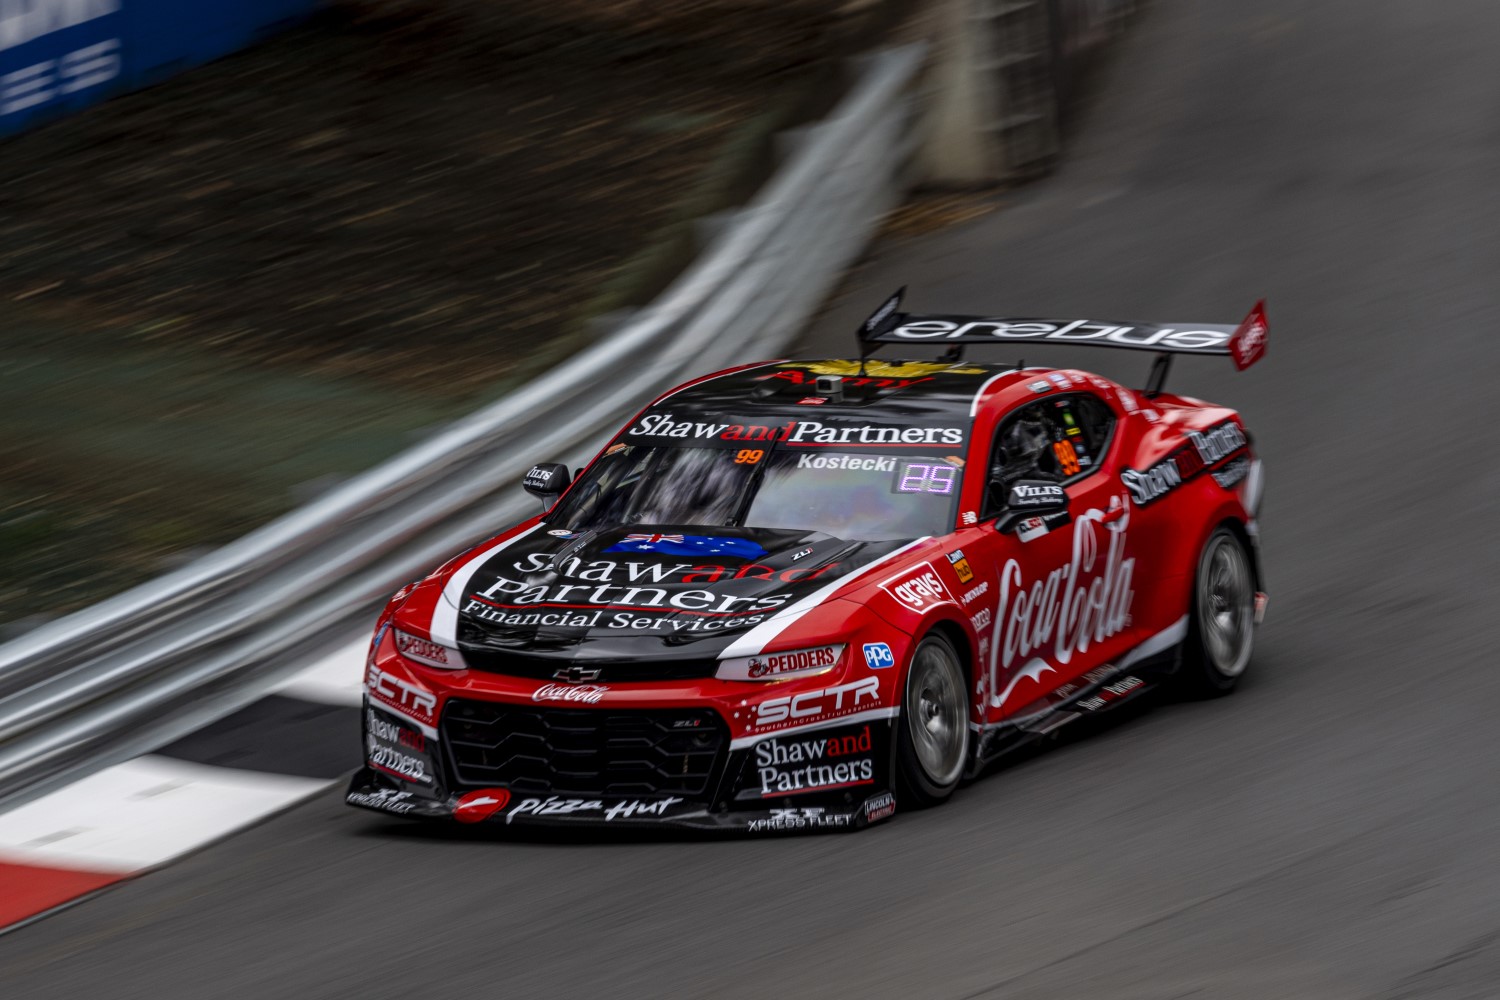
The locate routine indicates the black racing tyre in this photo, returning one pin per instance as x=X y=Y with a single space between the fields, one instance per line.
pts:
x=932 y=740
x=1221 y=621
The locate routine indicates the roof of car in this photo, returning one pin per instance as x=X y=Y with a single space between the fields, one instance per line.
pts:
x=889 y=389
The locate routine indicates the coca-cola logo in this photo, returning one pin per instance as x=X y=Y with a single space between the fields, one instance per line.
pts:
x=1049 y=619
x=588 y=694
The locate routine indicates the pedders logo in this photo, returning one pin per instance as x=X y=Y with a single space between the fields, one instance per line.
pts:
x=770 y=666
x=1076 y=605
x=792 y=767
x=774 y=664
x=475 y=807
x=918 y=589
x=414 y=647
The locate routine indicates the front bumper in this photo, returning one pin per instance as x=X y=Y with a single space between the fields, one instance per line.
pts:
x=507 y=773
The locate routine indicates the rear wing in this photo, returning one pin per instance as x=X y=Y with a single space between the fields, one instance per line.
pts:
x=1245 y=344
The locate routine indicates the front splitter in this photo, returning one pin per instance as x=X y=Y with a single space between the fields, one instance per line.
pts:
x=499 y=808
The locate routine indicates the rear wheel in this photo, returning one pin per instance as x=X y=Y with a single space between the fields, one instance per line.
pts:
x=1221 y=625
x=932 y=745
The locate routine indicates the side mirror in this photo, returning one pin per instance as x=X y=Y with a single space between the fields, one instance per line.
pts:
x=547 y=481
x=1031 y=498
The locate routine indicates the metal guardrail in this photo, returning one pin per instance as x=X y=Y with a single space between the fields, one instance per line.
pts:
x=77 y=689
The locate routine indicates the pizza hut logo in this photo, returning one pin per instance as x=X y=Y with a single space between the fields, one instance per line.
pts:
x=918 y=589
x=475 y=807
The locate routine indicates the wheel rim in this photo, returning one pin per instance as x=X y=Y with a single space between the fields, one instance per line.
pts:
x=935 y=713
x=1225 y=601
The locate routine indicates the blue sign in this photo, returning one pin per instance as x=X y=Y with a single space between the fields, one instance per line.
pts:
x=878 y=656
x=58 y=56
x=690 y=545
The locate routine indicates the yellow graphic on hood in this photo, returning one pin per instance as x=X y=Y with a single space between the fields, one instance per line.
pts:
x=875 y=368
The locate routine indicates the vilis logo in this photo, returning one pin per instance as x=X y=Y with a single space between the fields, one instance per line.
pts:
x=918 y=589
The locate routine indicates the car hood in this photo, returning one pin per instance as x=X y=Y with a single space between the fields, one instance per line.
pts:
x=663 y=592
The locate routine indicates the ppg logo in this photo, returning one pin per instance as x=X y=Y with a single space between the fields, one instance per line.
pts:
x=878 y=656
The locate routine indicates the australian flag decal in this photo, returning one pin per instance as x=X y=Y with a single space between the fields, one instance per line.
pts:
x=690 y=545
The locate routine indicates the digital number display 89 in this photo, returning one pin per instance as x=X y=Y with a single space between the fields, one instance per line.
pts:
x=926 y=477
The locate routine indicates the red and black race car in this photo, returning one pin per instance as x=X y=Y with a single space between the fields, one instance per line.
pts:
x=792 y=595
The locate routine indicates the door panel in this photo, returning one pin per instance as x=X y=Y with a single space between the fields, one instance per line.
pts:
x=1064 y=591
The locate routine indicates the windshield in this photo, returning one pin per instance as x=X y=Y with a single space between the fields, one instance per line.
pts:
x=858 y=496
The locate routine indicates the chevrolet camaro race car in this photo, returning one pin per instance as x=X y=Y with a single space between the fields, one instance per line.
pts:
x=794 y=595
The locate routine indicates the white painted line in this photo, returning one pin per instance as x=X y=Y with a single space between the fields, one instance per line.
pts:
x=336 y=679
x=142 y=813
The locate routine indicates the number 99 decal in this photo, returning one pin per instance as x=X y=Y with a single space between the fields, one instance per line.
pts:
x=1067 y=458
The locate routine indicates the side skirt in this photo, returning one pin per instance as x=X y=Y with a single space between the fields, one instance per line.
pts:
x=1101 y=690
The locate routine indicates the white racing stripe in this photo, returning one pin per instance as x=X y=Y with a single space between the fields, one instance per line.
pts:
x=142 y=813
x=444 y=628
x=756 y=640
x=974 y=406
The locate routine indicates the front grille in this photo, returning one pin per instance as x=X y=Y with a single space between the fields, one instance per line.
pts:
x=545 y=668
x=595 y=752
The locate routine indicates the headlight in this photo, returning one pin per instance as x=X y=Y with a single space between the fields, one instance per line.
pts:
x=431 y=653
x=778 y=666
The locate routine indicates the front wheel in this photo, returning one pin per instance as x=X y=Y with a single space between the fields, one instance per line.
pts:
x=1221 y=623
x=932 y=745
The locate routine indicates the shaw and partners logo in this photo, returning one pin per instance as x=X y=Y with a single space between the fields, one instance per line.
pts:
x=795 y=432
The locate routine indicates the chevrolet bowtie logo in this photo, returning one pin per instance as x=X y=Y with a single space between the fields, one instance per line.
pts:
x=576 y=675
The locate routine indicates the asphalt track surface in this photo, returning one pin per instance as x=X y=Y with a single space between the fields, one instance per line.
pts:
x=1329 y=831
